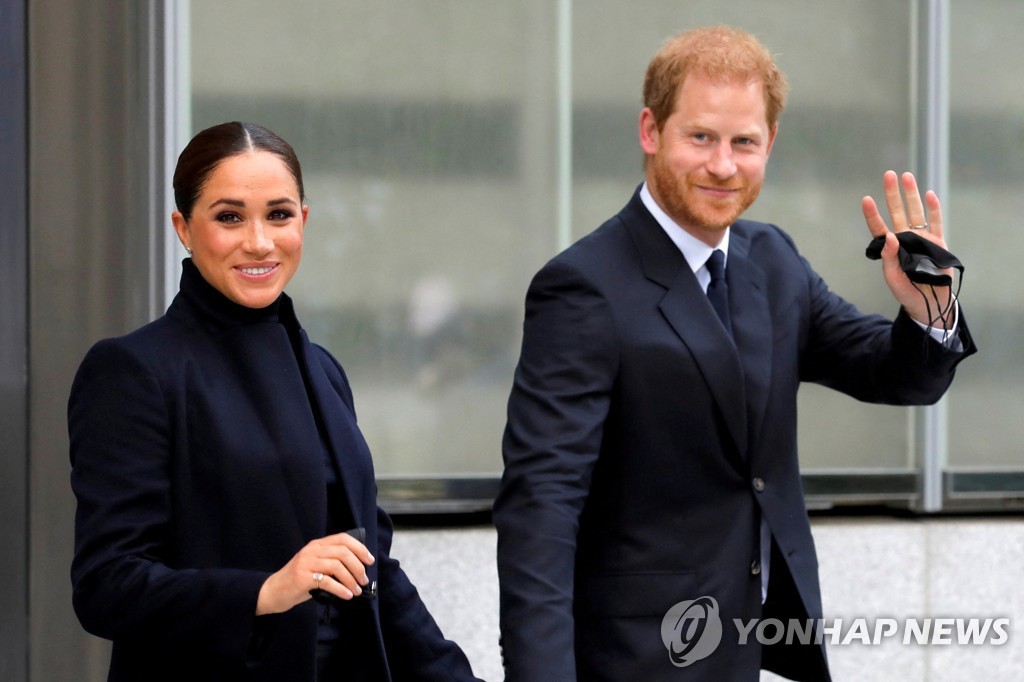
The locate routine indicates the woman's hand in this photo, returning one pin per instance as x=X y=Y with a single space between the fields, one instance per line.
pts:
x=340 y=558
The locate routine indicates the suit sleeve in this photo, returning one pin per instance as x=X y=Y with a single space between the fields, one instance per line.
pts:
x=124 y=587
x=556 y=413
x=874 y=359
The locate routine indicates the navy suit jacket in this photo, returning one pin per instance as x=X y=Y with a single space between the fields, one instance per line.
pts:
x=199 y=471
x=643 y=448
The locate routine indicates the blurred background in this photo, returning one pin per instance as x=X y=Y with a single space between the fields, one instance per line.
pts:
x=451 y=147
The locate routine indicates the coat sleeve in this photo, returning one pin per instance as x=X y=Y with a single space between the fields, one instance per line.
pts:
x=556 y=412
x=124 y=583
x=415 y=647
x=874 y=359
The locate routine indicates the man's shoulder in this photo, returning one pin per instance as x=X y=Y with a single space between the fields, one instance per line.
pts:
x=611 y=244
x=605 y=241
x=605 y=259
x=759 y=237
x=755 y=229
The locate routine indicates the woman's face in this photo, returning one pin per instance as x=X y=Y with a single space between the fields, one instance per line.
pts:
x=246 y=228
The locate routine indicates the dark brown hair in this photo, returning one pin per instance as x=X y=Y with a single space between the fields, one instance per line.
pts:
x=211 y=146
x=721 y=53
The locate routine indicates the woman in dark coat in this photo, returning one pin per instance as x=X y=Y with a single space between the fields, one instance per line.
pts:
x=227 y=525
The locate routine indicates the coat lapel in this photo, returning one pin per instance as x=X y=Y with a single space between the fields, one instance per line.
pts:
x=343 y=438
x=264 y=356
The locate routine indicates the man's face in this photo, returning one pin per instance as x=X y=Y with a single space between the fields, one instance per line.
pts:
x=707 y=162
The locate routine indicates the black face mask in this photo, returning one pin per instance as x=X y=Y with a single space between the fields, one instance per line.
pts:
x=922 y=260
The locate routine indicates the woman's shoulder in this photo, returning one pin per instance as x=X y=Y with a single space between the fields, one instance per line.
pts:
x=334 y=371
x=327 y=360
x=152 y=345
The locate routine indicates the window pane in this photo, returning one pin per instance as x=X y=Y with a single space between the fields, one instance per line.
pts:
x=425 y=132
x=428 y=134
x=845 y=123
x=986 y=176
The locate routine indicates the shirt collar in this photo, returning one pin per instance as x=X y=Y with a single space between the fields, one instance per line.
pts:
x=694 y=250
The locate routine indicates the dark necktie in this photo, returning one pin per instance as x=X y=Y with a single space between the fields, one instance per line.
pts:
x=718 y=290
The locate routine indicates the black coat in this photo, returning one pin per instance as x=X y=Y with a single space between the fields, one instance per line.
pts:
x=643 y=448
x=199 y=471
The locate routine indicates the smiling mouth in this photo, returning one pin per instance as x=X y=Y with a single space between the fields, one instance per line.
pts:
x=258 y=271
x=719 y=192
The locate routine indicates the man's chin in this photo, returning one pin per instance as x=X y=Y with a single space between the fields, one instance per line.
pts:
x=717 y=222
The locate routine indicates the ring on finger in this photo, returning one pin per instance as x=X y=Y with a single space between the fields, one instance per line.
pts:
x=918 y=227
x=317 y=577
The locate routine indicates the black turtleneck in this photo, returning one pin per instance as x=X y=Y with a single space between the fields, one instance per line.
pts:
x=221 y=311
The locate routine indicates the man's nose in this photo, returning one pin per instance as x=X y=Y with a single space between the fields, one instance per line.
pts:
x=721 y=164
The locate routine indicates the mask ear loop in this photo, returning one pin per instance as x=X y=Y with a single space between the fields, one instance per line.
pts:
x=874 y=252
x=951 y=308
x=941 y=313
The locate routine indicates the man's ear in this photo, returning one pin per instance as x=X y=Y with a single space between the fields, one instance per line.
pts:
x=648 y=132
x=771 y=138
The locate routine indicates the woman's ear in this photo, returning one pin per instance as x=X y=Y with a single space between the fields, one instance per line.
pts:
x=181 y=228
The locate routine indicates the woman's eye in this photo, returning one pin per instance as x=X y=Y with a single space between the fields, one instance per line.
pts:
x=280 y=215
x=228 y=217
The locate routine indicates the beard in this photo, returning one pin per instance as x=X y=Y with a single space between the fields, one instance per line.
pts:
x=699 y=214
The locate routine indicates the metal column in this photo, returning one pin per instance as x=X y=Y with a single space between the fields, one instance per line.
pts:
x=931 y=159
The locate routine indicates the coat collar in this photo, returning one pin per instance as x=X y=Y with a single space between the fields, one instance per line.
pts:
x=273 y=337
x=199 y=300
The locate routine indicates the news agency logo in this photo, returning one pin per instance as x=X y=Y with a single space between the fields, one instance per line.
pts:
x=691 y=630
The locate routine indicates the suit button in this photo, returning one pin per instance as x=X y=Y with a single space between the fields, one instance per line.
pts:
x=758 y=484
x=755 y=568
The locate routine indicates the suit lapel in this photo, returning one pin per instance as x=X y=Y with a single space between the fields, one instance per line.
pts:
x=687 y=310
x=751 y=324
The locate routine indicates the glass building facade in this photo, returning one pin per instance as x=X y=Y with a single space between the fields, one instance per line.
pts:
x=452 y=147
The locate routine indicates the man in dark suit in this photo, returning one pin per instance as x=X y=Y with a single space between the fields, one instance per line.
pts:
x=651 y=494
